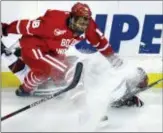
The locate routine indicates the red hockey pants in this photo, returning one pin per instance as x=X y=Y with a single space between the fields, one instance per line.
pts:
x=42 y=67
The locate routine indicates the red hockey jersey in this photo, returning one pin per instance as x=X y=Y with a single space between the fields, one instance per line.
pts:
x=51 y=33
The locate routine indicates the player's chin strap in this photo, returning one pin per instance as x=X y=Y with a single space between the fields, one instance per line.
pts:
x=134 y=92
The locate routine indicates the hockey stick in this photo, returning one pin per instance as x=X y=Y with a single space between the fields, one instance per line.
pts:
x=132 y=93
x=76 y=78
x=46 y=92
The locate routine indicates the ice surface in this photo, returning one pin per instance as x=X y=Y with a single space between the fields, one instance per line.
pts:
x=61 y=114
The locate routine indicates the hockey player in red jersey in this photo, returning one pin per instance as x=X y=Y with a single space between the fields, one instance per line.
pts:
x=45 y=40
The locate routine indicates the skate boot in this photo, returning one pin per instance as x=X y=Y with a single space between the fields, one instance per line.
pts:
x=21 y=92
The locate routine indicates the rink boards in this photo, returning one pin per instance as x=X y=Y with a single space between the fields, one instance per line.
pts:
x=136 y=36
x=10 y=80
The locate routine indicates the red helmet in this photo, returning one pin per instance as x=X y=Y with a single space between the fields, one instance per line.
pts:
x=80 y=9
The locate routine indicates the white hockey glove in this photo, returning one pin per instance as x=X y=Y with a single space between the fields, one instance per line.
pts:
x=114 y=60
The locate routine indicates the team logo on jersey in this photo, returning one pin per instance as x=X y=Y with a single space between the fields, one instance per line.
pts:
x=58 y=32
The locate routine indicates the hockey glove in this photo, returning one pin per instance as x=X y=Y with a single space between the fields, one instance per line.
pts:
x=133 y=101
x=4 y=29
x=114 y=60
x=5 y=50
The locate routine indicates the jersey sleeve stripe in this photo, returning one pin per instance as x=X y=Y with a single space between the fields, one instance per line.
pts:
x=99 y=32
x=18 y=27
x=104 y=48
x=27 y=28
x=88 y=42
x=96 y=45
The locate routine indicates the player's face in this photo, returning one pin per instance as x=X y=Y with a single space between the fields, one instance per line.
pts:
x=81 y=24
